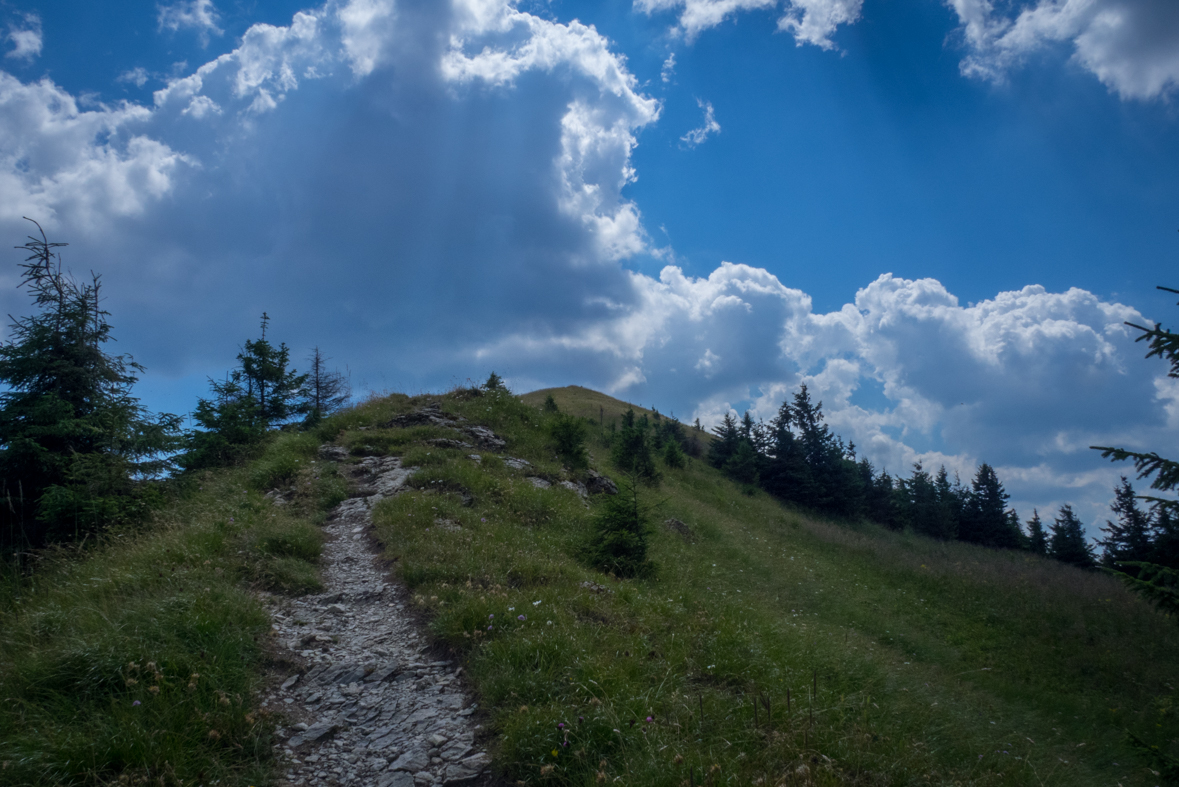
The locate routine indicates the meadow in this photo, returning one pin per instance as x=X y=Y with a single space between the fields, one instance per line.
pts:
x=770 y=647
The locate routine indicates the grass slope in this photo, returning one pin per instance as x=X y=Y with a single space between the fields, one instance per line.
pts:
x=771 y=648
x=600 y=408
x=137 y=661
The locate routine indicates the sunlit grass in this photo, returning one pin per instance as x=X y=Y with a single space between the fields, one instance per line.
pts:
x=772 y=646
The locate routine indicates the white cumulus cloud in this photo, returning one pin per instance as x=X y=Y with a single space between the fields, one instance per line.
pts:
x=1132 y=46
x=198 y=15
x=25 y=37
x=809 y=21
x=708 y=127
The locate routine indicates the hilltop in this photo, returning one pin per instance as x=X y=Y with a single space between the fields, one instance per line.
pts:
x=768 y=647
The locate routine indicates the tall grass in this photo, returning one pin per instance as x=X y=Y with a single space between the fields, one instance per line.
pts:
x=137 y=661
x=772 y=648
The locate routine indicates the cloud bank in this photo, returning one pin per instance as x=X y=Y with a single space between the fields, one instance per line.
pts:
x=431 y=191
x=1132 y=46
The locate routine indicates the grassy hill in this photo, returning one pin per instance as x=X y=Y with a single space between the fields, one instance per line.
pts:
x=770 y=648
x=600 y=407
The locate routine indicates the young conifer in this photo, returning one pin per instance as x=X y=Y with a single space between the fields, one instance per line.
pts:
x=1067 y=542
x=75 y=445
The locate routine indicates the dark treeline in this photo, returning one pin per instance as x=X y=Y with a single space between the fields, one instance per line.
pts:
x=797 y=458
x=79 y=453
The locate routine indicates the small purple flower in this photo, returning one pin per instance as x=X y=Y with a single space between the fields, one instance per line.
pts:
x=650 y=719
x=521 y=617
x=133 y=704
x=560 y=725
x=580 y=719
x=564 y=743
x=492 y=615
x=489 y=628
x=482 y=519
x=231 y=519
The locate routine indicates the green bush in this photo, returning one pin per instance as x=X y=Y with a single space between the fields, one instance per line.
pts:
x=568 y=433
x=619 y=542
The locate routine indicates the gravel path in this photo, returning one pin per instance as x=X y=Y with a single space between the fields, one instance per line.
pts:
x=374 y=708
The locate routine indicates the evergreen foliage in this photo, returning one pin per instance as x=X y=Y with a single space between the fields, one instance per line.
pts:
x=494 y=383
x=327 y=391
x=619 y=542
x=1037 y=537
x=631 y=451
x=550 y=405
x=1158 y=584
x=568 y=433
x=1067 y=542
x=673 y=455
x=77 y=450
x=742 y=465
x=260 y=394
x=984 y=519
x=1163 y=344
x=1128 y=539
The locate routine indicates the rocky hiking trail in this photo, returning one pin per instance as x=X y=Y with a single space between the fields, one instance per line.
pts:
x=369 y=705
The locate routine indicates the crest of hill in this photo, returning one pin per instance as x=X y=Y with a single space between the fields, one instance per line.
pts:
x=600 y=407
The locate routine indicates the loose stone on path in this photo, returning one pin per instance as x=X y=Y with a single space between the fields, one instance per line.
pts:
x=370 y=708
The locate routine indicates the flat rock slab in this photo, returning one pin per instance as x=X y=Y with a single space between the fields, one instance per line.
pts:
x=370 y=708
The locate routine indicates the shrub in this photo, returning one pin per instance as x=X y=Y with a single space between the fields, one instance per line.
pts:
x=619 y=543
x=568 y=433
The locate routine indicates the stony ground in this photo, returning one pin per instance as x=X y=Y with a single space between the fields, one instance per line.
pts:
x=368 y=706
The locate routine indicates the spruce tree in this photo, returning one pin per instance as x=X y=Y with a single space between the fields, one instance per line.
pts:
x=728 y=438
x=673 y=454
x=1128 y=539
x=1067 y=542
x=631 y=451
x=1163 y=344
x=327 y=390
x=985 y=520
x=923 y=507
x=76 y=447
x=742 y=465
x=277 y=392
x=1164 y=546
x=1037 y=538
x=951 y=498
x=262 y=393
x=619 y=542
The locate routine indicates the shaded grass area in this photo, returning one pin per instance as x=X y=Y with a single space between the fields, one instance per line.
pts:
x=770 y=648
x=136 y=661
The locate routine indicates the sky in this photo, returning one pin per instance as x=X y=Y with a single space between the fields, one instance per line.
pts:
x=937 y=215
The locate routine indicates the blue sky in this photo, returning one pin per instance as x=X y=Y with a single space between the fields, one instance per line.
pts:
x=936 y=214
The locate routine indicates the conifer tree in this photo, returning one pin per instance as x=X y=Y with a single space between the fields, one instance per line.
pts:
x=728 y=438
x=75 y=445
x=985 y=520
x=1128 y=539
x=1164 y=546
x=1067 y=542
x=619 y=541
x=924 y=508
x=631 y=452
x=277 y=392
x=327 y=390
x=673 y=455
x=260 y=394
x=951 y=498
x=1037 y=538
x=742 y=465
x=494 y=383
